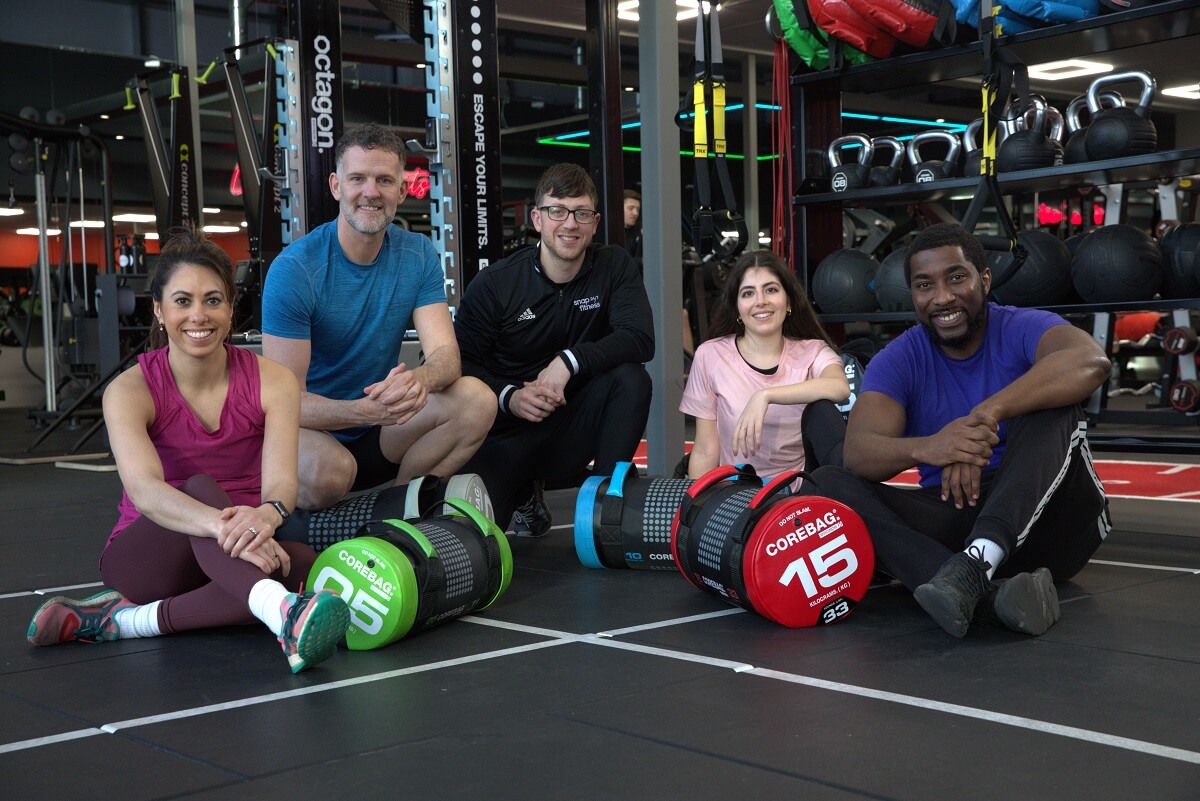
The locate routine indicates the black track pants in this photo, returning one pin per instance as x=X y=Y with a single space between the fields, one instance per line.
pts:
x=1044 y=505
x=604 y=420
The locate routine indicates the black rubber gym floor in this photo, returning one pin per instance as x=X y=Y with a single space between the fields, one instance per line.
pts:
x=600 y=684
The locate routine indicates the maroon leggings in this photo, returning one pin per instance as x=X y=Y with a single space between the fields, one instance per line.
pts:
x=198 y=583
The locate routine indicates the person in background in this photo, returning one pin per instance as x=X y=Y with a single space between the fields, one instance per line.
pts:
x=762 y=389
x=204 y=435
x=633 y=230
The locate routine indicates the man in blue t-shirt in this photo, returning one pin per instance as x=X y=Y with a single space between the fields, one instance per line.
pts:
x=985 y=401
x=336 y=306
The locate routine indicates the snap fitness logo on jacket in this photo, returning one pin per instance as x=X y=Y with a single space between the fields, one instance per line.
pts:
x=587 y=304
x=322 y=101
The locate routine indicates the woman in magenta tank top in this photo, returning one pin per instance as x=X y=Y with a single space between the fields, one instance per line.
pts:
x=205 y=438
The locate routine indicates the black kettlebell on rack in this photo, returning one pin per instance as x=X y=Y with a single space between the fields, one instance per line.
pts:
x=926 y=170
x=972 y=148
x=852 y=175
x=887 y=174
x=1075 y=152
x=1029 y=144
x=1121 y=131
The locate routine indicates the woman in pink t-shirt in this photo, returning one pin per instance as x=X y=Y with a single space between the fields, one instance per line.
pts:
x=205 y=438
x=767 y=361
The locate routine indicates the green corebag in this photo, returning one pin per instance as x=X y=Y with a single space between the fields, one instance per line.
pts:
x=809 y=41
x=399 y=576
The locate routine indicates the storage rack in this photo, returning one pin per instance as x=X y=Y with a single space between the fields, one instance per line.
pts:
x=816 y=101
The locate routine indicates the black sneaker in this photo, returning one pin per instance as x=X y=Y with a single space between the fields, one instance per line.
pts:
x=1027 y=602
x=532 y=518
x=952 y=595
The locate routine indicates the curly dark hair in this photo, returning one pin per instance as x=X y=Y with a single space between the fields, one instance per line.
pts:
x=187 y=246
x=945 y=235
x=802 y=323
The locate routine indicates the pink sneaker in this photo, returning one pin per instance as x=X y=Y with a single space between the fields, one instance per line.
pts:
x=313 y=625
x=62 y=619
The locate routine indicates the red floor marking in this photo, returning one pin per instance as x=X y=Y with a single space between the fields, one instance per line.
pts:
x=1164 y=481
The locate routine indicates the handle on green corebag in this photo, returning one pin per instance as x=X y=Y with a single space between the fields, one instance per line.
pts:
x=494 y=542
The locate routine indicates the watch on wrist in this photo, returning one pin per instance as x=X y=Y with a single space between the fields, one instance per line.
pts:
x=279 y=507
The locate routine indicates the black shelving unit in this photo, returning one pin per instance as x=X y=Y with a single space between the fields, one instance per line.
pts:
x=816 y=99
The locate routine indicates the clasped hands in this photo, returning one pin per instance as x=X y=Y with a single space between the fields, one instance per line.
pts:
x=539 y=398
x=247 y=533
x=963 y=448
x=394 y=400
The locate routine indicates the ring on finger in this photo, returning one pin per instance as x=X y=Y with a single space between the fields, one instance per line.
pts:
x=252 y=530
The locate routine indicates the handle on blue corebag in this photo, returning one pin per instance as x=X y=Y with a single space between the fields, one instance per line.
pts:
x=616 y=482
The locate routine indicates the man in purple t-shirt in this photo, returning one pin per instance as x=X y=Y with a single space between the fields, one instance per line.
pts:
x=985 y=401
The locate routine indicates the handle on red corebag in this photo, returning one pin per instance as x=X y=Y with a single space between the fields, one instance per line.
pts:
x=743 y=472
x=776 y=485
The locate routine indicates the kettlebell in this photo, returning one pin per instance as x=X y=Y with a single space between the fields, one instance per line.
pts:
x=853 y=175
x=889 y=174
x=1029 y=145
x=1074 y=152
x=924 y=170
x=972 y=148
x=1121 y=131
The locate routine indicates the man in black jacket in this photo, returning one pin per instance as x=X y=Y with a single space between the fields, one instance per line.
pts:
x=560 y=332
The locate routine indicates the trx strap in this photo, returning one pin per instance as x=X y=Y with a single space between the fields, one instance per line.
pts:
x=708 y=95
x=1000 y=70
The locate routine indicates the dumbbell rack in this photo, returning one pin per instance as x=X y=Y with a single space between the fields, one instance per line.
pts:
x=816 y=100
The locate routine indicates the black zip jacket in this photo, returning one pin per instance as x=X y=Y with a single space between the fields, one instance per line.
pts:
x=513 y=320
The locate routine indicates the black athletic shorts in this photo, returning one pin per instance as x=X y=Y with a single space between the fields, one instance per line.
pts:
x=373 y=467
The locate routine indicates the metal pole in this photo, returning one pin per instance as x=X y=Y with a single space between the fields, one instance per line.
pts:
x=44 y=290
x=750 y=164
x=658 y=76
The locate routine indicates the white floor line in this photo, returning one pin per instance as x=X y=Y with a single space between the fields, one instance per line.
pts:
x=1100 y=738
x=110 y=728
x=736 y=667
x=521 y=627
x=50 y=590
x=674 y=622
x=1191 y=570
x=563 y=638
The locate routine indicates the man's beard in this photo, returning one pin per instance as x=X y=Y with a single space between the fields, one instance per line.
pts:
x=974 y=325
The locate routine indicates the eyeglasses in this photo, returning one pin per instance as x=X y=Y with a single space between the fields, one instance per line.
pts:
x=560 y=213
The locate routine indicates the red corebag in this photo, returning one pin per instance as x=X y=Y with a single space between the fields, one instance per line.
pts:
x=920 y=23
x=838 y=18
x=799 y=560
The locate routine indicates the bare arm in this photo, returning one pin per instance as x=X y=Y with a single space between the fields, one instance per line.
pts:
x=316 y=411
x=877 y=449
x=128 y=413
x=1068 y=367
x=443 y=364
x=280 y=398
x=706 y=451
x=830 y=385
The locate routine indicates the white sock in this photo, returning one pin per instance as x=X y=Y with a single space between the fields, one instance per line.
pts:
x=138 y=621
x=987 y=550
x=266 y=596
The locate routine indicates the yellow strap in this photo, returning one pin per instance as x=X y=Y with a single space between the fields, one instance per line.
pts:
x=129 y=104
x=203 y=79
x=987 y=133
x=719 y=145
x=175 y=93
x=700 y=129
